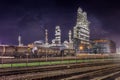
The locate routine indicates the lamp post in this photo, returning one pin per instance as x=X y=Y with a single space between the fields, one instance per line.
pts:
x=62 y=55
x=3 y=54
x=11 y=60
x=46 y=55
x=76 y=55
x=27 y=59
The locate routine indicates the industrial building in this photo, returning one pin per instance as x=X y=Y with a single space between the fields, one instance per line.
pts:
x=81 y=32
x=57 y=40
x=103 y=46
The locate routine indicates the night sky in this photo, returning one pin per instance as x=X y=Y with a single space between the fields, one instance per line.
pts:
x=29 y=18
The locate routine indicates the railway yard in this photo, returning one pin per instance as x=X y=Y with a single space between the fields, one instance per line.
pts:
x=66 y=68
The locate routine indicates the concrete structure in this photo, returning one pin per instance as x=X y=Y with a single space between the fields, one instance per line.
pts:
x=81 y=32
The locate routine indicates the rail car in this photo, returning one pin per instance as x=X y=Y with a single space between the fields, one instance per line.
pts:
x=55 y=52
x=25 y=51
x=22 y=52
x=7 y=50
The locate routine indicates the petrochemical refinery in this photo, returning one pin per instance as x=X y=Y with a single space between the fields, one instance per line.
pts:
x=78 y=42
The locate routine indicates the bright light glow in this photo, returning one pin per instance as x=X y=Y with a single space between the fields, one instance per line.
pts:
x=81 y=47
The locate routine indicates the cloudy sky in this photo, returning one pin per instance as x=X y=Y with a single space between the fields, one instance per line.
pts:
x=29 y=18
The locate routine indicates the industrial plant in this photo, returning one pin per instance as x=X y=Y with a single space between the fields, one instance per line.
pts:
x=79 y=36
x=78 y=42
x=58 y=40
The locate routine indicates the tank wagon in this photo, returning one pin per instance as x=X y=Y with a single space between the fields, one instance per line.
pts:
x=25 y=51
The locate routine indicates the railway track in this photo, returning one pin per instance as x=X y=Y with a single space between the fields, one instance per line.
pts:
x=58 y=71
x=91 y=75
x=11 y=71
x=50 y=75
x=110 y=76
x=51 y=59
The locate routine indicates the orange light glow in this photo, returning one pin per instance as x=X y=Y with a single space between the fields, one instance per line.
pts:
x=30 y=45
x=81 y=47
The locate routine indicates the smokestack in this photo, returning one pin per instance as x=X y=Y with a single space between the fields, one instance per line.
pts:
x=70 y=36
x=46 y=36
x=19 y=41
